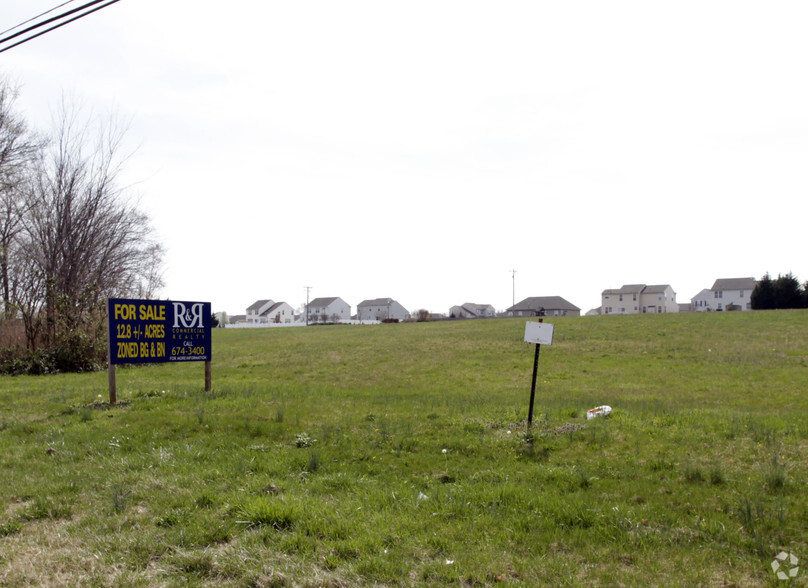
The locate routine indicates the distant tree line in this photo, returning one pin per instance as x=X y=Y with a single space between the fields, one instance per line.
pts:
x=70 y=236
x=784 y=292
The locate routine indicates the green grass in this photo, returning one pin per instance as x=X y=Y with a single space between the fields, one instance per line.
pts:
x=399 y=455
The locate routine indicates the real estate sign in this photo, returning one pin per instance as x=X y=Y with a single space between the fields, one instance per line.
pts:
x=154 y=331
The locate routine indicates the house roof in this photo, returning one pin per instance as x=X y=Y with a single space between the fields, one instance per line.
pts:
x=544 y=302
x=626 y=289
x=473 y=307
x=376 y=302
x=272 y=308
x=656 y=288
x=636 y=289
x=322 y=301
x=734 y=284
x=258 y=304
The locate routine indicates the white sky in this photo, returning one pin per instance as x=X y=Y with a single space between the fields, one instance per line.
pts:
x=423 y=150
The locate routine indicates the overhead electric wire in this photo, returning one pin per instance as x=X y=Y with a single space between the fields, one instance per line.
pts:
x=33 y=18
x=56 y=26
x=50 y=20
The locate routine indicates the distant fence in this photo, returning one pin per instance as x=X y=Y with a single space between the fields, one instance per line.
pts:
x=296 y=324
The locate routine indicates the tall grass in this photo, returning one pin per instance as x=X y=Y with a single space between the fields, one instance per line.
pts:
x=399 y=455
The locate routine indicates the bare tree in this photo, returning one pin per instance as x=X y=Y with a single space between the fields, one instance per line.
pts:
x=19 y=149
x=85 y=239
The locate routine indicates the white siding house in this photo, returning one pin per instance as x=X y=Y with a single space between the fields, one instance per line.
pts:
x=329 y=310
x=658 y=299
x=279 y=313
x=380 y=309
x=702 y=301
x=264 y=312
x=726 y=294
x=256 y=309
x=639 y=299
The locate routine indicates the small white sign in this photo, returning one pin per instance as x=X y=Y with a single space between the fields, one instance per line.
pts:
x=539 y=333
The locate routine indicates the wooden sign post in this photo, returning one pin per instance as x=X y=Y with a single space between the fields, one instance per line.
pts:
x=538 y=333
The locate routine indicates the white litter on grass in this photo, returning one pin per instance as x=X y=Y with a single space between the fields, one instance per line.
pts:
x=598 y=411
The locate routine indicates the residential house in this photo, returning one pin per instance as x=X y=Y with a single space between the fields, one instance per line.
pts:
x=255 y=310
x=266 y=312
x=471 y=310
x=544 y=306
x=639 y=299
x=380 y=309
x=702 y=301
x=332 y=310
x=726 y=294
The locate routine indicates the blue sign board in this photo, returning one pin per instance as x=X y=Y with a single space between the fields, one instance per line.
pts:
x=155 y=331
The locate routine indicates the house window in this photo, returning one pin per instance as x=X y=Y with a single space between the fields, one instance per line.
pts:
x=620 y=298
x=741 y=293
x=634 y=298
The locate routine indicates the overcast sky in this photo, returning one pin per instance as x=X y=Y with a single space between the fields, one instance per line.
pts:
x=424 y=150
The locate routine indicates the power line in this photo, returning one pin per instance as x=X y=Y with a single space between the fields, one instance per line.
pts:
x=36 y=17
x=51 y=20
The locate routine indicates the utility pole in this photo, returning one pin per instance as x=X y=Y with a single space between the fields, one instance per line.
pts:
x=308 y=289
x=513 y=295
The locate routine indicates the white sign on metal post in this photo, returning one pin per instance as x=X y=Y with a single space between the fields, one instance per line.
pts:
x=539 y=333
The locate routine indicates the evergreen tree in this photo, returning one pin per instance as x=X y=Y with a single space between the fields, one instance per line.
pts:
x=787 y=292
x=763 y=297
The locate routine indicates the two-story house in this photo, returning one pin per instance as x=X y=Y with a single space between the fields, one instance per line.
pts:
x=726 y=294
x=379 y=309
x=331 y=310
x=265 y=312
x=639 y=299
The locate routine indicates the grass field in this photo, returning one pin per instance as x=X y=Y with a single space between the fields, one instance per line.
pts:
x=399 y=455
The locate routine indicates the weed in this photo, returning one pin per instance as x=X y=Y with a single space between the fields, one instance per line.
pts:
x=774 y=475
x=204 y=500
x=716 y=474
x=264 y=511
x=303 y=440
x=47 y=507
x=10 y=527
x=173 y=517
x=201 y=565
x=314 y=461
x=120 y=497
x=693 y=472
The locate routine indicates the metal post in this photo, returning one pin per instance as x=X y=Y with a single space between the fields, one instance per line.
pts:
x=207 y=376
x=533 y=385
